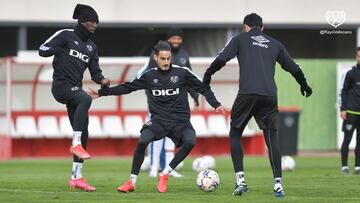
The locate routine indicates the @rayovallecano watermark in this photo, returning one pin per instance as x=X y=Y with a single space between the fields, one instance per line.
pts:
x=335 y=19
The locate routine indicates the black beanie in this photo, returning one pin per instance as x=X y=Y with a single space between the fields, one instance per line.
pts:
x=85 y=13
x=175 y=31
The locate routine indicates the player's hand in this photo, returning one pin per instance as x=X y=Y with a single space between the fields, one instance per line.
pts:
x=306 y=90
x=222 y=109
x=196 y=107
x=196 y=104
x=105 y=83
x=343 y=115
x=93 y=93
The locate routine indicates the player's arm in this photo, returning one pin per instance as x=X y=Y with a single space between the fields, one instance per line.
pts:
x=194 y=95
x=96 y=72
x=289 y=65
x=195 y=83
x=53 y=45
x=125 y=88
x=227 y=53
x=344 y=94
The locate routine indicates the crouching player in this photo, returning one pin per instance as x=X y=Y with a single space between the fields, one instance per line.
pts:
x=167 y=86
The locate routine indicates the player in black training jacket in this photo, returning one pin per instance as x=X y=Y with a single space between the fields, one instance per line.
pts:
x=350 y=113
x=169 y=107
x=73 y=52
x=161 y=152
x=257 y=55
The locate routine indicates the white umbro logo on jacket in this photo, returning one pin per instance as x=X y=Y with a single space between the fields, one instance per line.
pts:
x=260 y=40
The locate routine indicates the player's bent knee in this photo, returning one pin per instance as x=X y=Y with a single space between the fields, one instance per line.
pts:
x=86 y=100
x=190 y=143
x=143 y=143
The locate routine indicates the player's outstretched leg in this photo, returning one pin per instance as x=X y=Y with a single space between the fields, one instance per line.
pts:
x=188 y=138
x=237 y=158
x=145 y=138
x=169 y=147
x=271 y=140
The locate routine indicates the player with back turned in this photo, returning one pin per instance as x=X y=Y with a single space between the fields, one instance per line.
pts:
x=257 y=54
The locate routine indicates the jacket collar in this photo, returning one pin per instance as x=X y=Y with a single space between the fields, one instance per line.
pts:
x=82 y=32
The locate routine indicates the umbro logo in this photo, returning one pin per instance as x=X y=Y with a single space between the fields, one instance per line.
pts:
x=260 y=40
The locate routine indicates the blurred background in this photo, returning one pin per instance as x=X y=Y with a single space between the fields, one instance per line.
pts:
x=320 y=35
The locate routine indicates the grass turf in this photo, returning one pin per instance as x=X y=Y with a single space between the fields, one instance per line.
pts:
x=315 y=179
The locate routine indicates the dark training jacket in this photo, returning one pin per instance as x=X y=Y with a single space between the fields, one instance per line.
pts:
x=73 y=52
x=167 y=98
x=257 y=54
x=350 y=92
x=179 y=57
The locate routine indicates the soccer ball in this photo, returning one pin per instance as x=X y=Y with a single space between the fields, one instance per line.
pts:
x=287 y=163
x=208 y=180
x=203 y=163
x=199 y=164
x=209 y=162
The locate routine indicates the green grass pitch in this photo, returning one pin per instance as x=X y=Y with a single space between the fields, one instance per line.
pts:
x=315 y=179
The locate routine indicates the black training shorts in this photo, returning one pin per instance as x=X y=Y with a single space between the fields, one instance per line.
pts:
x=173 y=130
x=263 y=108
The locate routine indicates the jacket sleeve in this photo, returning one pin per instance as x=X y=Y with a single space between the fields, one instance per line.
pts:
x=345 y=91
x=94 y=68
x=125 y=88
x=195 y=83
x=227 y=53
x=53 y=45
x=286 y=62
x=289 y=65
